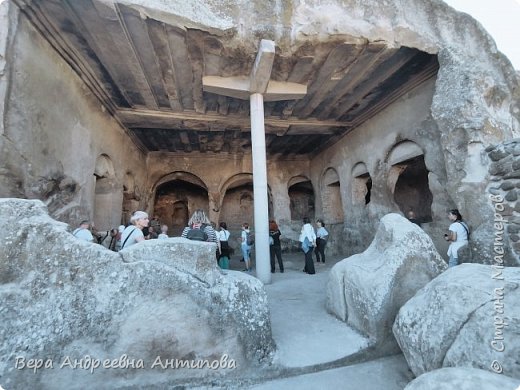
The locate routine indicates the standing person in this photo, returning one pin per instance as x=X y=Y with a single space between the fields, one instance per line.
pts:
x=246 y=249
x=275 y=248
x=308 y=240
x=322 y=235
x=134 y=233
x=83 y=231
x=458 y=235
x=199 y=228
x=223 y=239
x=164 y=232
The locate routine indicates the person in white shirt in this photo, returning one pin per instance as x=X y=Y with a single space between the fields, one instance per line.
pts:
x=308 y=240
x=458 y=235
x=322 y=236
x=246 y=249
x=223 y=239
x=83 y=231
x=134 y=233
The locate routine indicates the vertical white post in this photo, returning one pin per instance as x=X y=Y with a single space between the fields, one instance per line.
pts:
x=263 y=264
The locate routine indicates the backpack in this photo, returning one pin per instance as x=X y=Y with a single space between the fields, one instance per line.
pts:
x=250 y=239
x=197 y=234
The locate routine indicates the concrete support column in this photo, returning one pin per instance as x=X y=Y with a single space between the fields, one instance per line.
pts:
x=263 y=266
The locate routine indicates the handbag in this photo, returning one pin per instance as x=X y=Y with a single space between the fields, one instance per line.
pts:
x=223 y=262
x=306 y=244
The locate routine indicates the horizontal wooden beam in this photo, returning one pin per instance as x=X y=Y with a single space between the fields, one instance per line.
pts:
x=151 y=119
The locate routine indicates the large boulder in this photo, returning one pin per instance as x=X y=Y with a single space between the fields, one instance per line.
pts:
x=467 y=317
x=63 y=300
x=367 y=290
x=462 y=379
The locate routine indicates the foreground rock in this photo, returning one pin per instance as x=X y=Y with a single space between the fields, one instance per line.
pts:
x=469 y=316
x=72 y=304
x=462 y=379
x=366 y=290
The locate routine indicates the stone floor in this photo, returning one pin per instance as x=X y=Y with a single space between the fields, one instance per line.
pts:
x=313 y=347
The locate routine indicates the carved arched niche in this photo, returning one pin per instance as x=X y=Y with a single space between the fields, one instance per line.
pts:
x=301 y=197
x=177 y=196
x=408 y=180
x=362 y=184
x=331 y=197
x=238 y=201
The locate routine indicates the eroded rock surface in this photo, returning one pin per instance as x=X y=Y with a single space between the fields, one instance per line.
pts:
x=366 y=290
x=467 y=317
x=462 y=379
x=64 y=298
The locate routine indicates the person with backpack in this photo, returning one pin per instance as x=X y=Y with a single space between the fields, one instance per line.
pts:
x=458 y=236
x=247 y=241
x=199 y=228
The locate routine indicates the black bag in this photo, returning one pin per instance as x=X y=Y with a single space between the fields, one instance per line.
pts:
x=197 y=234
x=250 y=239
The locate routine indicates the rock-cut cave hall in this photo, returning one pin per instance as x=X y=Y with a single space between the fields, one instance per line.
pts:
x=369 y=108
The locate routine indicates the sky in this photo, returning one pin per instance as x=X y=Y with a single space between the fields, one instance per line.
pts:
x=501 y=18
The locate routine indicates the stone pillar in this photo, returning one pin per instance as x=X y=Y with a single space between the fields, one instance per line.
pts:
x=4 y=43
x=263 y=267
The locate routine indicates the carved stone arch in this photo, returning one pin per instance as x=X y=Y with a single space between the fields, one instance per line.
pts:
x=330 y=194
x=107 y=194
x=104 y=167
x=176 y=196
x=238 y=201
x=301 y=197
x=403 y=151
x=408 y=180
x=180 y=175
x=361 y=184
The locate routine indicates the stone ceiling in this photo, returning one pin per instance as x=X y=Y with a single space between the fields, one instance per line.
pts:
x=148 y=74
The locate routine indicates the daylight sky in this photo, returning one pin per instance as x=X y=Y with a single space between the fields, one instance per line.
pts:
x=501 y=18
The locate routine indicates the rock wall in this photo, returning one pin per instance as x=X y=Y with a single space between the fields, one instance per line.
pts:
x=55 y=132
x=461 y=379
x=408 y=119
x=64 y=300
x=466 y=317
x=503 y=195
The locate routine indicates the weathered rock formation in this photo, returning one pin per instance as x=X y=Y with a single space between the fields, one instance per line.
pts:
x=64 y=298
x=367 y=290
x=462 y=379
x=504 y=190
x=467 y=317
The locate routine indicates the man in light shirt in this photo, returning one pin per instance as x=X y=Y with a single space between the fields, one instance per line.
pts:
x=83 y=231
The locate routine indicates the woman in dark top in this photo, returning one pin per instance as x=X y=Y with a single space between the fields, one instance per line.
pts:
x=275 y=247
